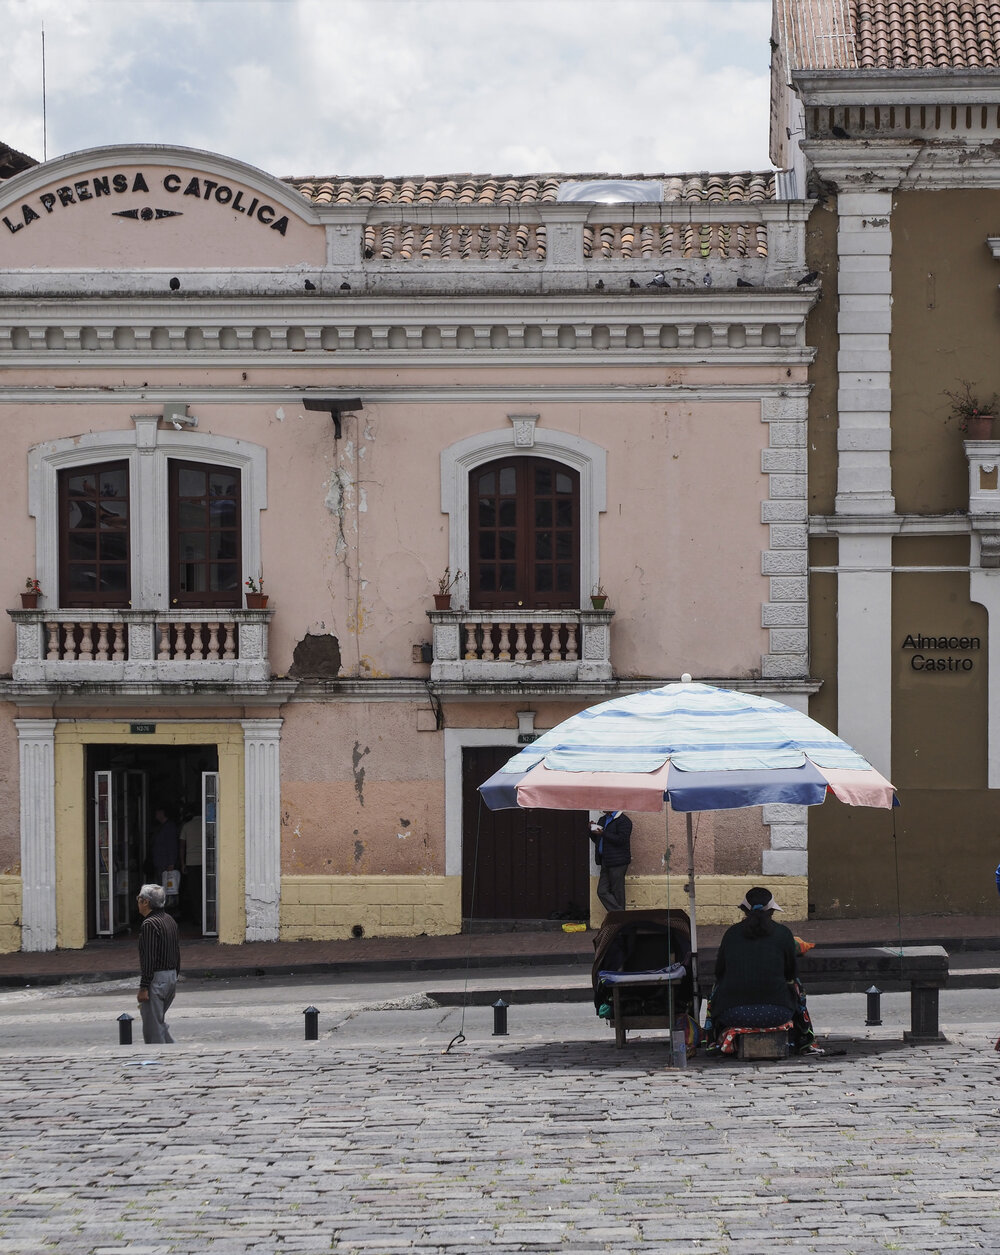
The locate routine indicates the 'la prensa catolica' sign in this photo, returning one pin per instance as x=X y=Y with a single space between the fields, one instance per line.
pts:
x=97 y=187
x=924 y=646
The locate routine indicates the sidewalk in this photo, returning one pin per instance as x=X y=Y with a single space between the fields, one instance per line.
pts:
x=977 y=938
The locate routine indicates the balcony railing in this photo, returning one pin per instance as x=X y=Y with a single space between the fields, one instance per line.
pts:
x=556 y=645
x=141 y=645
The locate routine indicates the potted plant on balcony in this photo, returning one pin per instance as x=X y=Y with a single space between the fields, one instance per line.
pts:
x=598 y=597
x=256 y=598
x=975 y=414
x=31 y=594
x=442 y=598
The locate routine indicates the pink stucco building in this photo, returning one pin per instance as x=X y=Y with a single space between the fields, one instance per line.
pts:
x=359 y=390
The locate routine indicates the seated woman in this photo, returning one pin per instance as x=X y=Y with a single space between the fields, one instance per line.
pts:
x=756 y=984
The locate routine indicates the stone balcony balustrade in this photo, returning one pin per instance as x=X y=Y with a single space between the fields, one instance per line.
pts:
x=141 y=646
x=504 y=645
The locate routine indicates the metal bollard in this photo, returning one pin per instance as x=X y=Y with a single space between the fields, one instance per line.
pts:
x=874 y=996
x=312 y=1023
x=125 y=1029
x=500 y=1018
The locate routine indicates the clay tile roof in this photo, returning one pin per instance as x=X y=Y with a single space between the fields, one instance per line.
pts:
x=508 y=189
x=888 y=34
x=12 y=162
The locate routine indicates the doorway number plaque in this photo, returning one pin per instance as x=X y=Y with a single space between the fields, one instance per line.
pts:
x=142 y=729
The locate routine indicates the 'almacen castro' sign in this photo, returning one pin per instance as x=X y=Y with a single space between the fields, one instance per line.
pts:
x=97 y=187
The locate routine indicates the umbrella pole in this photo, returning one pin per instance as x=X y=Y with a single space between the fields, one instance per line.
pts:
x=691 y=913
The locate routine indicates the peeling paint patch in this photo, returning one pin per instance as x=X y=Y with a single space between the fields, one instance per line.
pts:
x=404 y=822
x=362 y=501
x=359 y=773
x=359 y=851
x=401 y=836
x=279 y=413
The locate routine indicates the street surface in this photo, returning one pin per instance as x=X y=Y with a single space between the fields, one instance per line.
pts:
x=376 y=1139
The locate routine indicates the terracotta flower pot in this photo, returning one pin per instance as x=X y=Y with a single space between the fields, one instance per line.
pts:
x=29 y=601
x=979 y=428
x=257 y=601
x=442 y=601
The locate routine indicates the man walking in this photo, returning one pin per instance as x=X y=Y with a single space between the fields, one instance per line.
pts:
x=613 y=851
x=159 y=963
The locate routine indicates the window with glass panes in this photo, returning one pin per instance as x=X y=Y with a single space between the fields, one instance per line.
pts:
x=205 y=535
x=94 y=552
x=524 y=543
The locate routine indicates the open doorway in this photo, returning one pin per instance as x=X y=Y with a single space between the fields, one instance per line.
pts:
x=132 y=792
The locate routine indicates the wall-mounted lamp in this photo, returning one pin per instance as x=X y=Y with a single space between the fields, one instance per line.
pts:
x=176 y=413
x=334 y=406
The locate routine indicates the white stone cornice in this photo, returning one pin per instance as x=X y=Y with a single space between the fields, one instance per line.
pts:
x=876 y=165
x=889 y=525
x=242 y=307
x=897 y=87
x=437 y=394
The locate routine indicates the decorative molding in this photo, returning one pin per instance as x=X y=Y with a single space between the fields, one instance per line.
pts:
x=524 y=429
x=460 y=458
x=425 y=394
x=170 y=156
x=146 y=448
x=36 y=748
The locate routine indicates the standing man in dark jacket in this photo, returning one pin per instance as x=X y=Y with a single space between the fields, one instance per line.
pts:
x=613 y=852
x=159 y=963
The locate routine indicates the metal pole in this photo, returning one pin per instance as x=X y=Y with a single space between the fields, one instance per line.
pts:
x=874 y=996
x=691 y=913
x=312 y=1023
x=500 y=1018
x=125 y=1029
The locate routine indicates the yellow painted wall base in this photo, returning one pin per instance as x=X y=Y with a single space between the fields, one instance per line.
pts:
x=717 y=897
x=327 y=908
x=10 y=914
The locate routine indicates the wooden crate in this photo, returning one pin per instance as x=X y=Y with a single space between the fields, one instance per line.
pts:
x=763 y=1045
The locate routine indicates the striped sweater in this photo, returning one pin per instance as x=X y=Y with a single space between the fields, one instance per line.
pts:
x=159 y=946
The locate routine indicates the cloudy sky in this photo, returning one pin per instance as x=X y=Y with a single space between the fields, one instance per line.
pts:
x=366 y=87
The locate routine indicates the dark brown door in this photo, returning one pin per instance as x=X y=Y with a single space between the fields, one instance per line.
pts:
x=524 y=543
x=524 y=864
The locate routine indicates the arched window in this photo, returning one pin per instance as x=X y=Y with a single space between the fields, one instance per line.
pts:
x=524 y=535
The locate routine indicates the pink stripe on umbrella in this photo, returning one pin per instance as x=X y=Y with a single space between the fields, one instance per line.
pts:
x=859 y=788
x=593 y=790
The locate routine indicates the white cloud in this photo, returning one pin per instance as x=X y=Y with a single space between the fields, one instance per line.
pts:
x=399 y=86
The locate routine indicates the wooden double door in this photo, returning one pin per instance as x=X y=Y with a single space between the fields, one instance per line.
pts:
x=519 y=864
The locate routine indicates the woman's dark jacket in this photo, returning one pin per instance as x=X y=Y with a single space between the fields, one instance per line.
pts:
x=753 y=970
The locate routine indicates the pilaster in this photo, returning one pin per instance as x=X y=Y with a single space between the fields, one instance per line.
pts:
x=864 y=361
x=36 y=745
x=864 y=646
x=262 y=810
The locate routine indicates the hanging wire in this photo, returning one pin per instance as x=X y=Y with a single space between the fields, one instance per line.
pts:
x=459 y=1037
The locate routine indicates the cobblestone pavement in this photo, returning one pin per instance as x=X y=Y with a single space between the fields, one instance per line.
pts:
x=372 y=1146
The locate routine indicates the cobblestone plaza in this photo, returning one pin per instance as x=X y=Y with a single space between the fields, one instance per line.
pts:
x=376 y=1140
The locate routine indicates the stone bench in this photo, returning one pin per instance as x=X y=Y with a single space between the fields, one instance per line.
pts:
x=921 y=969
